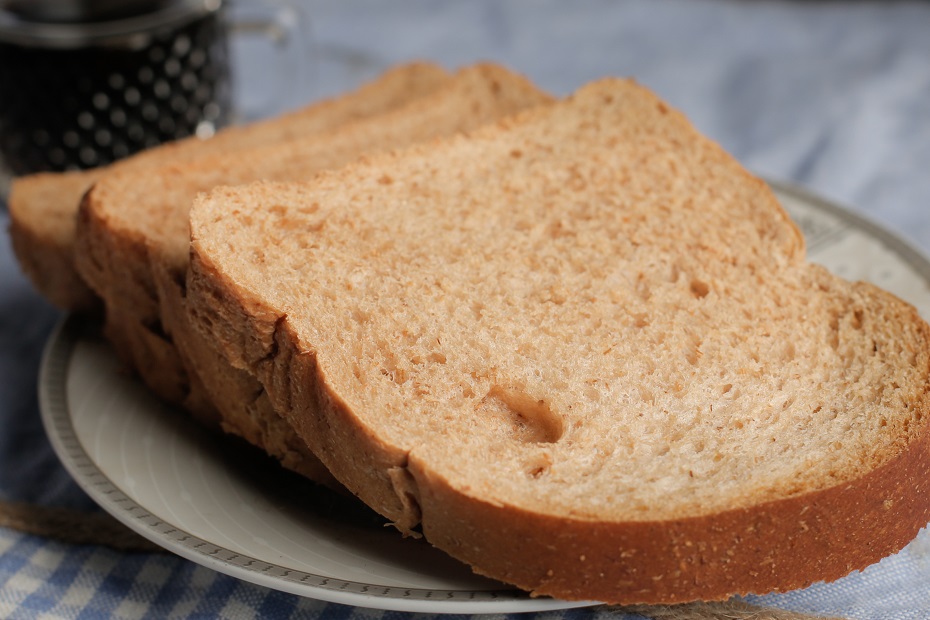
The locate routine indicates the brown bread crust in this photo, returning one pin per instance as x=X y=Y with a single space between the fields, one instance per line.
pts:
x=776 y=546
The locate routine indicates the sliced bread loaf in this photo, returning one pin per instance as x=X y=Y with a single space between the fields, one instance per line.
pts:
x=133 y=241
x=582 y=351
x=43 y=206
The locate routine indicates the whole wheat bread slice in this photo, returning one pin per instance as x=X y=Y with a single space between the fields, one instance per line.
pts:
x=43 y=206
x=583 y=352
x=133 y=244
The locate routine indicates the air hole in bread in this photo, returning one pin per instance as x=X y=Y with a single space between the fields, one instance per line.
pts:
x=857 y=319
x=693 y=355
x=833 y=337
x=538 y=466
x=421 y=357
x=699 y=288
x=523 y=417
x=393 y=371
x=643 y=289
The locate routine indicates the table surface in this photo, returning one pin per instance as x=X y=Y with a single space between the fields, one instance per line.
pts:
x=832 y=96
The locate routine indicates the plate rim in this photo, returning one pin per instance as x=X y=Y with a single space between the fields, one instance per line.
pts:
x=906 y=250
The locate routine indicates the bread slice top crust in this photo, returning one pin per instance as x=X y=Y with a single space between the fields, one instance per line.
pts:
x=131 y=218
x=584 y=350
x=43 y=206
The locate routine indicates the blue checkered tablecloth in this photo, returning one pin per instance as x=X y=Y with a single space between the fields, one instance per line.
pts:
x=833 y=96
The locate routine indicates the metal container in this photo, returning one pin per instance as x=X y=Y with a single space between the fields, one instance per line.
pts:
x=86 y=82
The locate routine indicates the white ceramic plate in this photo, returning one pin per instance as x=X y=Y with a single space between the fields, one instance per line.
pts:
x=221 y=504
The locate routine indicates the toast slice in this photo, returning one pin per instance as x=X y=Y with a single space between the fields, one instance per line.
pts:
x=583 y=352
x=43 y=206
x=133 y=245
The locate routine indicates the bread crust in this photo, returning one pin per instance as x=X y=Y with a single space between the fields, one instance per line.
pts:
x=233 y=403
x=115 y=266
x=776 y=546
x=140 y=346
x=225 y=397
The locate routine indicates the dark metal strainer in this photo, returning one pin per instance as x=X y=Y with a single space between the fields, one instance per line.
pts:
x=78 y=90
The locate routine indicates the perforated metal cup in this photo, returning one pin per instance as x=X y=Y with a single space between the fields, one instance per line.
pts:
x=79 y=94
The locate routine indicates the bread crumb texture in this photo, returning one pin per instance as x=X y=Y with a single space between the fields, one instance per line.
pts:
x=605 y=319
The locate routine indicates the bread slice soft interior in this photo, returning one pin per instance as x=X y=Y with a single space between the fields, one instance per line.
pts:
x=582 y=351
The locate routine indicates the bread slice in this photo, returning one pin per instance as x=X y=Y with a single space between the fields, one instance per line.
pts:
x=583 y=352
x=43 y=206
x=133 y=245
